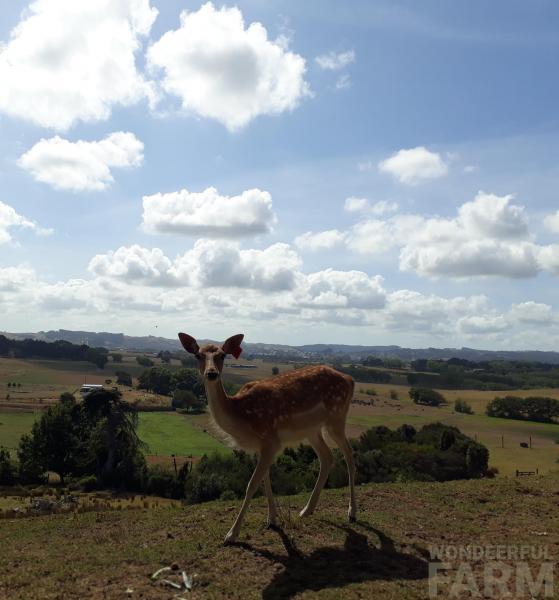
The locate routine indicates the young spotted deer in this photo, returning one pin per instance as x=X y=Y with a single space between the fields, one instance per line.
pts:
x=264 y=415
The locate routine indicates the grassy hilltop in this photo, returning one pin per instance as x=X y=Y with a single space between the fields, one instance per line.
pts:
x=384 y=555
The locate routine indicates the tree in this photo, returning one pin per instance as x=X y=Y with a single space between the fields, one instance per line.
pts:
x=53 y=444
x=7 y=468
x=144 y=361
x=117 y=357
x=462 y=406
x=165 y=356
x=114 y=446
x=275 y=371
x=157 y=379
x=99 y=359
x=188 y=379
x=123 y=378
x=184 y=399
x=426 y=396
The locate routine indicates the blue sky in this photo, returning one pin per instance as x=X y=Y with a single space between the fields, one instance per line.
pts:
x=381 y=173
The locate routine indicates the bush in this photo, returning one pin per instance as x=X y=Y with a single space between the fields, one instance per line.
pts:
x=163 y=482
x=462 y=406
x=426 y=396
x=393 y=395
x=123 y=378
x=8 y=472
x=144 y=361
x=275 y=371
x=477 y=457
x=88 y=483
x=184 y=399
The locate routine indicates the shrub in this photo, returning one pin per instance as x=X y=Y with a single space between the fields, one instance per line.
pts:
x=228 y=495
x=393 y=395
x=275 y=371
x=163 y=482
x=88 y=483
x=477 y=457
x=123 y=378
x=8 y=472
x=184 y=399
x=426 y=396
x=462 y=406
x=144 y=361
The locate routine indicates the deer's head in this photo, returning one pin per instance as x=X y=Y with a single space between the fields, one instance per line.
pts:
x=211 y=357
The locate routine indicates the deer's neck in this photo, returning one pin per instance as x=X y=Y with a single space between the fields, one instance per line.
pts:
x=218 y=401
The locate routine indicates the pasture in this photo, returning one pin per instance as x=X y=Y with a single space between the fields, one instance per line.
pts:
x=169 y=433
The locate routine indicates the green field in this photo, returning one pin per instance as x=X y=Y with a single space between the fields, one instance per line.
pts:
x=165 y=433
x=13 y=425
x=168 y=433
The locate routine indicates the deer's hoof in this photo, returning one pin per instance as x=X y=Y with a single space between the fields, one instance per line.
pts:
x=230 y=538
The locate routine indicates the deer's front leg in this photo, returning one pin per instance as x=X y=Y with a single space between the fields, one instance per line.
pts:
x=265 y=460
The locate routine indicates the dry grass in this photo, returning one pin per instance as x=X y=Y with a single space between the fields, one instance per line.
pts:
x=384 y=555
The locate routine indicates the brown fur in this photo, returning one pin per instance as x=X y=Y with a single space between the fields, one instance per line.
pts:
x=262 y=403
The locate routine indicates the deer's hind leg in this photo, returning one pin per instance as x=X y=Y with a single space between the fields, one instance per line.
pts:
x=326 y=461
x=272 y=511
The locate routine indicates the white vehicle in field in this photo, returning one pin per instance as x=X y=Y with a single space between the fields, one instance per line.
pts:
x=87 y=388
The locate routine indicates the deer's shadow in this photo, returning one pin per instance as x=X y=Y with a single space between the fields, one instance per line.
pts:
x=358 y=561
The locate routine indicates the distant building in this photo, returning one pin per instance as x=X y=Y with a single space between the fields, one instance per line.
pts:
x=87 y=388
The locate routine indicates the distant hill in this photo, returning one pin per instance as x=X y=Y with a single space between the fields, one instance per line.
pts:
x=150 y=343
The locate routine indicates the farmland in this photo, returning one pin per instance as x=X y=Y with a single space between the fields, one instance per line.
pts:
x=169 y=433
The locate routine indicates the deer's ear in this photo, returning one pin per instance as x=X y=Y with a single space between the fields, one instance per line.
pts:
x=189 y=343
x=232 y=345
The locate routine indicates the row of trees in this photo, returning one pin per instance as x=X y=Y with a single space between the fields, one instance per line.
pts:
x=59 y=350
x=532 y=408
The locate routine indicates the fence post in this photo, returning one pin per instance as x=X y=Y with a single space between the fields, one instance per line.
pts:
x=502 y=441
x=530 y=441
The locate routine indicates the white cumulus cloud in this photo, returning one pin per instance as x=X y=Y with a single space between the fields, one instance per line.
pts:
x=488 y=237
x=331 y=289
x=9 y=219
x=82 y=165
x=362 y=205
x=533 y=313
x=68 y=61
x=552 y=222
x=414 y=166
x=209 y=214
x=320 y=240
x=134 y=264
x=222 y=70
x=208 y=264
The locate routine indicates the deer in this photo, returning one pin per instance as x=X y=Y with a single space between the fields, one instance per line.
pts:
x=265 y=415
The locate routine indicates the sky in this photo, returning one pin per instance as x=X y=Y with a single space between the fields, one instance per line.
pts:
x=366 y=172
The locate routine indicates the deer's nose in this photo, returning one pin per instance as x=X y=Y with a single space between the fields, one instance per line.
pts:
x=212 y=375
